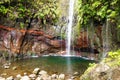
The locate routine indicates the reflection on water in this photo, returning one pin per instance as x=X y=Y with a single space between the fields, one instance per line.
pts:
x=52 y=64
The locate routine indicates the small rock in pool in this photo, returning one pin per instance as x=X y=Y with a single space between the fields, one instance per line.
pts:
x=76 y=74
x=6 y=66
x=36 y=70
x=42 y=72
x=62 y=76
x=14 y=68
x=54 y=76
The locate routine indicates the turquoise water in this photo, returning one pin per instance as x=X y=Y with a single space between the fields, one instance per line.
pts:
x=52 y=64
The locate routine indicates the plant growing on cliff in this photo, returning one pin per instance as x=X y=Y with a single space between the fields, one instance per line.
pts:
x=113 y=58
x=44 y=10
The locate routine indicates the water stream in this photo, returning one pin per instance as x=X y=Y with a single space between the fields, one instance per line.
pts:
x=69 y=27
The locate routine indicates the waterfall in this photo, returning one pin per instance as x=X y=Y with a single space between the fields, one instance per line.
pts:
x=69 y=27
x=106 y=39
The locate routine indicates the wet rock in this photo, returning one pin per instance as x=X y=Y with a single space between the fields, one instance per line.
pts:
x=10 y=78
x=36 y=70
x=25 y=78
x=61 y=76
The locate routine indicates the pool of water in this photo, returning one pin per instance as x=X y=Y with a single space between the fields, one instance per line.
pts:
x=52 y=64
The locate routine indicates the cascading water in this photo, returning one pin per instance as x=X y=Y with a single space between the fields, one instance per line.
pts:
x=69 y=26
x=106 y=40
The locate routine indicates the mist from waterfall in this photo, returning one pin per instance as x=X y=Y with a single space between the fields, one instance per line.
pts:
x=69 y=27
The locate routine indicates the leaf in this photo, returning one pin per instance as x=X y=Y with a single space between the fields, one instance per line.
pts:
x=113 y=14
x=96 y=4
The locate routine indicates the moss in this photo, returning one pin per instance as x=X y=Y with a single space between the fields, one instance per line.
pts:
x=85 y=76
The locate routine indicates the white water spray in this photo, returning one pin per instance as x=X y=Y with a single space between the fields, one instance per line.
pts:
x=69 y=26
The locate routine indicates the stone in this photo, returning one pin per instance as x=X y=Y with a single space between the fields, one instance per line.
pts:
x=6 y=67
x=42 y=72
x=25 y=78
x=61 y=76
x=18 y=76
x=38 y=78
x=54 y=76
x=69 y=79
x=32 y=76
x=1 y=78
x=43 y=77
x=3 y=74
x=76 y=74
x=10 y=78
x=14 y=68
x=25 y=74
x=102 y=68
x=36 y=70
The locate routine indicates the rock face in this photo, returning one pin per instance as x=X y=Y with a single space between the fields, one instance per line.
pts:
x=82 y=40
x=11 y=39
x=102 y=71
x=39 y=42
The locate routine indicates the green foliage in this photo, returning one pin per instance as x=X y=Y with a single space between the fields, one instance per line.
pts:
x=97 y=10
x=114 y=55
x=92 y=64
x=45 y=10
x=113 y=58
